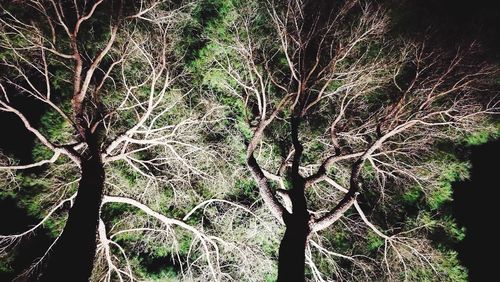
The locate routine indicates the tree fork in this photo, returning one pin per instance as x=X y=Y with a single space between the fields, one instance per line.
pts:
x=293 y=245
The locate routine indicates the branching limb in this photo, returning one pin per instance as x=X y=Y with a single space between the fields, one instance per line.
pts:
x=207 y=242
x=104 y=247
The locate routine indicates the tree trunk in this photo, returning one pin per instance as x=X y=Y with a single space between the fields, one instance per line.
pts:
x=72 y=257
x=291 y=262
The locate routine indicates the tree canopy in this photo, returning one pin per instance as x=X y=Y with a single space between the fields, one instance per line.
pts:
x=219 y=140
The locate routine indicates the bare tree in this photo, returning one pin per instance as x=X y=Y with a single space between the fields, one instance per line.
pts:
x=321 y=72
x=127 y=110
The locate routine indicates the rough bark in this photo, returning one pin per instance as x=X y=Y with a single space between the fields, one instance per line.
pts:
x=72 y=257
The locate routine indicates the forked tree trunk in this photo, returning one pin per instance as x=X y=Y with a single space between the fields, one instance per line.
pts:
x=72 y=257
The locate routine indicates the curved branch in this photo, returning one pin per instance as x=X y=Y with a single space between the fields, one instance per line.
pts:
x=32 y=165
x=170 y=221
x=265 y=191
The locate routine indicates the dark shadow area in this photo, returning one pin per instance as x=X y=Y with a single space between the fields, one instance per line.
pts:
x=449 y=23
x=16 y=141
x=30 y=248
x=474 y=206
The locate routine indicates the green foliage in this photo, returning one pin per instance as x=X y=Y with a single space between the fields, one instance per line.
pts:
x=246 y=188
x=454 y=171
x=444 y=225
x=368 y=171
x=59 y=80
x=426 y=219
x=268 y=246
x=5 y=265
x=374 y=241
x=150 y=271
x=114 y=210
x=35 y=206
x=129 y=174
x=31 y=199
x=448 y=267
x=440 y=195
x=452 y=268
x=453 y=231
x=207 y=17
x=36 y=185
x=339 y=239
x=313 y=150
x=483 y=136
x=166 y=274
x=271 y=277
x=412 y=195
x=41 y=152
x=235 y=112
x=54 y=127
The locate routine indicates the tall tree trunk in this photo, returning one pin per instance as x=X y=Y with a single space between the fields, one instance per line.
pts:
x=72 y=257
